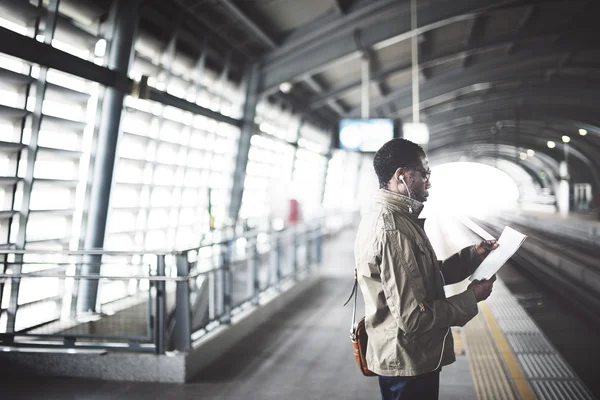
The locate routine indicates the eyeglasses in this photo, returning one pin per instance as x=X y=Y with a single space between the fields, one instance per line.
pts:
x=426 y=173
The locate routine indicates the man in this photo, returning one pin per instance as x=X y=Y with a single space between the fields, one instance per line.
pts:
x=407 y=315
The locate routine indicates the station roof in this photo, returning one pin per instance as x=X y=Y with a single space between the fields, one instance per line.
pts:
x=510 y=74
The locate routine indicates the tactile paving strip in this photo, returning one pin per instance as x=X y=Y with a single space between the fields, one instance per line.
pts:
x=489 y=377
x=560 y=390
x=548 y=374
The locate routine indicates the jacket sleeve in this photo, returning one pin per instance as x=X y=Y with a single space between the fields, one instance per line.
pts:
x=460 y=266
x=404 y=290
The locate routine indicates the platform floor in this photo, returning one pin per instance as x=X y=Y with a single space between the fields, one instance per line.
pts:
x=302 y=353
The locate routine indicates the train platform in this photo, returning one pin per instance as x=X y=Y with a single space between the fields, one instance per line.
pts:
x=304 y=352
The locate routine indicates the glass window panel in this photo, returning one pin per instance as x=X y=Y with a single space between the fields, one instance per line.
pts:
x=55 y=168
x=69 y=48
x=129 y=171
x=122 y=221
x=38 y=223
x=161 y=197
x=60 y=140
x=158 y=218
x=11 y=98
x=12 y=23
x=177 y=87
x=167 y=153
x=119 y=242
x=33 y=289
x=155 y=240
x=170 y=131
x=136 y=122
x=186 y=237
x=35 y=314
x=189 y=197
x=164 y=175
x=125 y=196
x=47 y=197
x=132 y=146
x=68 y=81
x=172 y=113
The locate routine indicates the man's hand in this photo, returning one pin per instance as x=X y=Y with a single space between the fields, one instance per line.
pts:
x=482 y=289
x=484 y=248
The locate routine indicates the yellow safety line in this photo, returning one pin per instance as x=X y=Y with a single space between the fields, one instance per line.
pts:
x=459 y=347
x=515 y=371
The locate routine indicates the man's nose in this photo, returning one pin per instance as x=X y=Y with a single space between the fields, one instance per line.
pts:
x=428 y=184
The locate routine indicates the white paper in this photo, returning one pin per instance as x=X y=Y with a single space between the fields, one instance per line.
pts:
x=508 y=244
x=476 y=228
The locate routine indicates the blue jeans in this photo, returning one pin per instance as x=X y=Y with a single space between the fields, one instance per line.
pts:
x=421 y=387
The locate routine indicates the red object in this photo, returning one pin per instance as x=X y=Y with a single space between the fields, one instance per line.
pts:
x=294 y=214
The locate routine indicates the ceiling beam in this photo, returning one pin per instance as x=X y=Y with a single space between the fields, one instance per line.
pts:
x=339 y=8
x=582 y=95
x=525 y=135
x=381 y=23
x=579 y=118
x=475 y=30
x=579 y=10
x=563 y=84
x=314 y=85
x=527 y=141
x=532 y=167
x=545 y=162
x=153 y=15
x=525 y=20
x=203 y=20
x=426 y=62
x=512 y=67
x=250 y=25
x=425 y=48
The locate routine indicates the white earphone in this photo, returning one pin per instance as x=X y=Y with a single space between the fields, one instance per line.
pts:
x=408 y=190
x=406 y=186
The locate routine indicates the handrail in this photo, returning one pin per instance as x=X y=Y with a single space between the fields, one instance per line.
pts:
x=197 y=305
x=110 y=277
x=174 y=252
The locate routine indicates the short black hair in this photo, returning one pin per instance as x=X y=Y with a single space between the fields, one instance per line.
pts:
x=397 y=153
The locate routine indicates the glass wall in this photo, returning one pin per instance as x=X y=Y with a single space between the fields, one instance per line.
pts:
x=174 y=172
x=169 y=164
x=47 y=125
x=173 y=176
x=287 y=162
x=270 y=161
x=46 y=130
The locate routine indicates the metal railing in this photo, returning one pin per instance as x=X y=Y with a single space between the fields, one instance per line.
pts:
x=148 y=301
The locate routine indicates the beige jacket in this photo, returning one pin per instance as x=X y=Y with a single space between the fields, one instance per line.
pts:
x=407 y=315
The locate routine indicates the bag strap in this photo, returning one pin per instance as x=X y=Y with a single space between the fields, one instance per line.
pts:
x=355 y=294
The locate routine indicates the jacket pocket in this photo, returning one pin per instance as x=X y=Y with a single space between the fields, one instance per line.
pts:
x=430 y=342
x=431 y=271
x=422 y=341
x=412 y=266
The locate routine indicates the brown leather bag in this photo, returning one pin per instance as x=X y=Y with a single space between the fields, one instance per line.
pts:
x=358 y=335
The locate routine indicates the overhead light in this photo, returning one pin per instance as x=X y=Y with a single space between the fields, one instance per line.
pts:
x=416 y=132
x=566 y=139
x=583 y=132
x=285 y=87
x=523 y=156
x=100 y=48
x=530 y=153
x=551 y=144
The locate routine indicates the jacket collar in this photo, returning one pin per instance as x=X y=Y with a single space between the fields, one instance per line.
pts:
x=399 y=202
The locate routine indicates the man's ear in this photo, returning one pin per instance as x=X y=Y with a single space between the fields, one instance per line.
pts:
x=399 y=172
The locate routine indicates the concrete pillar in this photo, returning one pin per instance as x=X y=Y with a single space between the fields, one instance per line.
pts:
x=124 y=22
x=563 y=189
x=252 y=80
